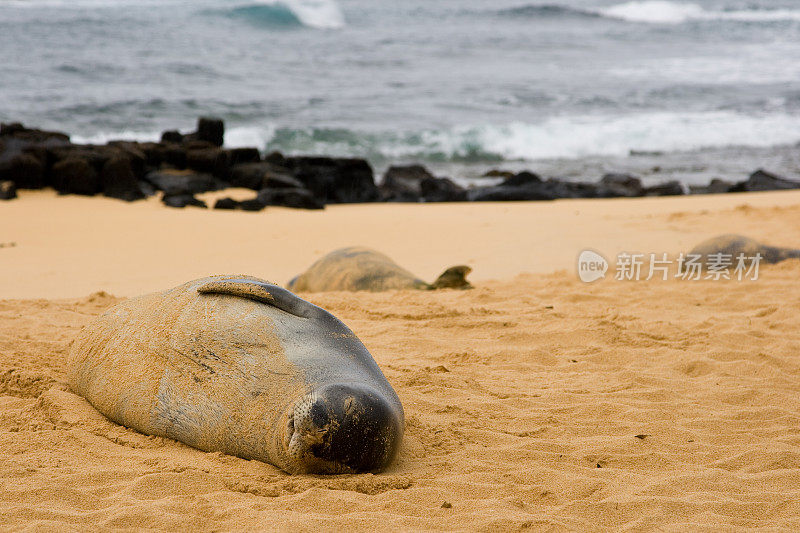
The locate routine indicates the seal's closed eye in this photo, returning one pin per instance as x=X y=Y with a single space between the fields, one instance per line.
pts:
x=266 y=293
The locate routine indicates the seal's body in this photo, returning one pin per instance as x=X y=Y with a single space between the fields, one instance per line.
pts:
x=734 y=245
x=241 y=366
x=361 y=269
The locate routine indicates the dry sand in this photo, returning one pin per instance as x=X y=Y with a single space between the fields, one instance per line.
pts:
x=524 y=397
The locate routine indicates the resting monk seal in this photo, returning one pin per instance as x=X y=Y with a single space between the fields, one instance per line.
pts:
x=734 y=245
x=244 y=367
x=361 y=269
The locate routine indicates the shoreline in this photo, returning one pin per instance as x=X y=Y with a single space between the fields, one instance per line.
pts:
x=183 y=165
x=74 y=246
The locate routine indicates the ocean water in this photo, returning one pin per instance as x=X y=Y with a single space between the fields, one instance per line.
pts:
x=692 y=90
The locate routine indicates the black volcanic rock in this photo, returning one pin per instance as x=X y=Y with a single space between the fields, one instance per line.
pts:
x=669 y=188
x=716 y=186
x=172 y=136
x=495 y=173
x=119 y=181
x=251 y=204
x=442 y=190
x=75 y=175
x=290 y=197
x=761 y=180
x=244 y=155
x=182 y=200
x=8 y=190
x=24 y=154
x=248 y=175
x=404 y=183
x=178 y=182
x=25 y=170
x=226 y=203
x=505 y=193
x=626 y=185
x=135 y=155
x=261 y=175
x=211 y=130
x=209 y=159
x=522 y=179
x=280 y=179
x=335 y=180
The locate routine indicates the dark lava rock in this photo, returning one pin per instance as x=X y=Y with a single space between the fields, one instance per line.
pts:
x=280 y=180
x=18 y=131
x=257 y=176
x=442 y=190
x=174 y=156
x=24 y=156
x=119 y=181
x=95 y=156
x=299 y=198
x=212 y=160
x=134 y=154
x=494 y=173
x=25 y=170
x=669 y=188
x=337 y=180
x=522 y=179
x=226 y=203
x=8 y=190
x=182 y=200
x=75 y=175
x=403 y=183
x=244 y=155
x=211 y=130
x=276 y=158
x=253 y=204
x=183 y=182
x=172 y=136
x=504 y=193
x=626 y=185
x=578 y=189
x=761 y=180
x=716 y=186
x=531 y=188
x=248 y=175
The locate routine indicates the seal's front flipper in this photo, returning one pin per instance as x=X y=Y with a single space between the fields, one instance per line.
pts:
x=263 y=292
x=453 y=278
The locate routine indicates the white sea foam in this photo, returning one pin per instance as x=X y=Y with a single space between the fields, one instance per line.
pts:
x=234 y=137
x=312 y=13
x=559 y=137
x=666 y=12
x=571 y=137
x=656 y=11
x=103 y=137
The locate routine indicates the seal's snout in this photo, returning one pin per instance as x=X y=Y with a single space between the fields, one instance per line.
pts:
x=343 y=428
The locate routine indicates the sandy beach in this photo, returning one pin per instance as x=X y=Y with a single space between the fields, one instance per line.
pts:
x=73 y=246
x=534 y=401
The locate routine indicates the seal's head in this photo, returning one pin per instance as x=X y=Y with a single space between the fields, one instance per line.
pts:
x=341 y=428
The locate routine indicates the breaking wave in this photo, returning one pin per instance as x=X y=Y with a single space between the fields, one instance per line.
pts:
x=651 y=12
x=320 y=14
